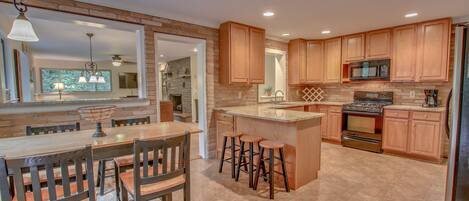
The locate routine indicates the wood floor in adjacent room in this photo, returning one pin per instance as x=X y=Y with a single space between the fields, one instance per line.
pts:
x=346 y=175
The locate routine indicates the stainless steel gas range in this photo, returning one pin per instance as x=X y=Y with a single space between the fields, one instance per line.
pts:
x=363 y=120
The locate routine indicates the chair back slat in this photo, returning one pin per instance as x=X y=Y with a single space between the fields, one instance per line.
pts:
x=34 y=164
x=174 y=152
x=52 y=129
x=51 y=181
x=4 y=189
x=36 y=183
x=130 y=122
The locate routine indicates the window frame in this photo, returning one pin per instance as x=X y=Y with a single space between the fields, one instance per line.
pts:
x=73 y=92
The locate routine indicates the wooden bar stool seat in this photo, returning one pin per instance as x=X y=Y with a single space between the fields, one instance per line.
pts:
x=234 y=148
x=271 y=146
x=250 y=140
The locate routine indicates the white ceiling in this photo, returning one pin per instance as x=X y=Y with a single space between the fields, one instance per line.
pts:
x=172 y=50
x=300 y=18
x=61 y=39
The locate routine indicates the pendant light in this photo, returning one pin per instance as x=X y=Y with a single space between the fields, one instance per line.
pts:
x=91 y=68
x=117 y=60
x=22 y=29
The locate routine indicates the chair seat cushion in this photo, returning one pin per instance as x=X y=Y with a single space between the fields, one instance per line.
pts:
x=59 y=192
x=127 y=179
x=57 y=175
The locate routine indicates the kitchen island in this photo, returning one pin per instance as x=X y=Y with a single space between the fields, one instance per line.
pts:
x=298 y=130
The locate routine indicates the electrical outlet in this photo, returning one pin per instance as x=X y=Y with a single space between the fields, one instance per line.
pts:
x=298 y=92
x=240 y=95
x=412 y=94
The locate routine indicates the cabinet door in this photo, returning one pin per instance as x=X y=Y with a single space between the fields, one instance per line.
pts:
x=425 y=138
x=296 y=61
x=256 y=56
x=314 y=61
x=332 y=60
x=334 y=126
x=323 y=109
x=404 y=53
x=378 y=44
x=239 y=60
x=433 y=51
x=395 y=134
x=353 y=48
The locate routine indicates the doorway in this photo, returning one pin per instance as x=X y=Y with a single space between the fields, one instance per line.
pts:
x=181 y=84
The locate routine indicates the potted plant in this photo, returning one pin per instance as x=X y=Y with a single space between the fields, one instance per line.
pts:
x=268 y=90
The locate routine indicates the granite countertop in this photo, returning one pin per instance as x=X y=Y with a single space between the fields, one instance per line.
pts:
x=271 y=112
x=415 y=108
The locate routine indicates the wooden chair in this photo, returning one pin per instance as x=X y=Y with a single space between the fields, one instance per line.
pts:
x=52 y=129
x=121 y=164
x=160 y=180
x=71 y=191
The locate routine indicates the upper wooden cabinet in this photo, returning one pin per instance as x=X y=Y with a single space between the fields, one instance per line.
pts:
x=241 y=54
x=433 y=50
x=378 y=44
x=332 y=61
x=256 y=55
x=353 y=48
x=314 y=61
x=297 y=61
x=404 y=53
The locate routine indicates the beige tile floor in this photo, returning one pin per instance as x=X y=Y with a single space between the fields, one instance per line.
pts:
x=346 y=175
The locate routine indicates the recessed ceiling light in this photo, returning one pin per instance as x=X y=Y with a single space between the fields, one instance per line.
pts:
x=161 y=55
x=195 y=50
x=409 y=15
x=269 y=13
x=326 y=32
x=286 y=34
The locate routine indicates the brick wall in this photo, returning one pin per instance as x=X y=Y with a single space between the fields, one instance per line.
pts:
x=178 y=83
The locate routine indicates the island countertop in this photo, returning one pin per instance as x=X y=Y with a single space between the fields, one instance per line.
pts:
x=271 y=112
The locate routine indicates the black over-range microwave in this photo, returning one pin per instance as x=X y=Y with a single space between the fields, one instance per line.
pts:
x=370 y=70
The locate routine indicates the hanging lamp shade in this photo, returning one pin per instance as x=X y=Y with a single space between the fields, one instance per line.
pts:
x=82 y=79
x=22 y=29
x=101 y=80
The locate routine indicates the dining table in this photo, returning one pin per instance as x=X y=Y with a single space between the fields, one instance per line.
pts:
x=117 y=142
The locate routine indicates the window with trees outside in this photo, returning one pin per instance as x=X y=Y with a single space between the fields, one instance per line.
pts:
x=70 y=79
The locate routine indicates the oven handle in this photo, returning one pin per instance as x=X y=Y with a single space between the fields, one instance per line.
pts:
x=363 y=113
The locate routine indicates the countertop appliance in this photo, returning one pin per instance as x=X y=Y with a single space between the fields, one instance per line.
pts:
x=431 y=98
x=370 y=70
x=362 y=120
x=458 y=162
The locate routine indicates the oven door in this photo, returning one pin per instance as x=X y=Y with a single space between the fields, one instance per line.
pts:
x=361 y=123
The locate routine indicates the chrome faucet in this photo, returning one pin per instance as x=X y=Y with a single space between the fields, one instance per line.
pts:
x=275 y=96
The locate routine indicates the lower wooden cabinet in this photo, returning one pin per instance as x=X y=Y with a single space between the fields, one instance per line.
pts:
x=331 y=123
x=224 y=123
x=425 y=138
x=415 y=134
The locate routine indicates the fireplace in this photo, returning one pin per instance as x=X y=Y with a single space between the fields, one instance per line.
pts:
x=177 y=102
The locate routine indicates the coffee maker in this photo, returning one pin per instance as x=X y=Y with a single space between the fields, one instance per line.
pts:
x=431 y=98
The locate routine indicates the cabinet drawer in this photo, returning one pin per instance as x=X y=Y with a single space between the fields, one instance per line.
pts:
x=429 y=116
x=224 y=117
x=396 y=113
x=335 y=109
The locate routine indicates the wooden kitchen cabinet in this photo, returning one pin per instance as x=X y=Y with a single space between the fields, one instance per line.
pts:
x=241 y=54
x=396 y=133
x=353 y=48
x=224 y=123
x=334 y=126
x=297 y=61
x=433 y=50
x=332 y=60
x=323 y=121
x=404 y=53
x=256 y=55
x=378 y=44
x=413 y=133
x=314 y=61
x=425 y=138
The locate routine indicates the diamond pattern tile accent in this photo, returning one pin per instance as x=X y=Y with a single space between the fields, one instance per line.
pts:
x=313 y=94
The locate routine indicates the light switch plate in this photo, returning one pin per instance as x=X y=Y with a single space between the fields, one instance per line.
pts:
x=240 y=95
x=412 y=94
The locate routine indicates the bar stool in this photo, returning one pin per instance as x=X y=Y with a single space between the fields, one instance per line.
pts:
x=271 y=146
x=233 y=137
x=251 y=140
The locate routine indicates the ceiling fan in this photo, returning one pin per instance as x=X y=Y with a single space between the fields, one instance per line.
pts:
x=118 y=61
